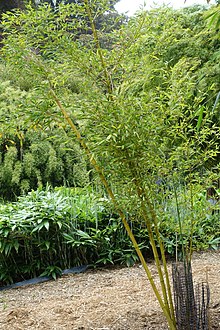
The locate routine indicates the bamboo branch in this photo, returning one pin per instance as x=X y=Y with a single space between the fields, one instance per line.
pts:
x=99 y=49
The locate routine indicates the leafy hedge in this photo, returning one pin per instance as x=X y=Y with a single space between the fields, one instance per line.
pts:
x=47 y=231
x=50 y=230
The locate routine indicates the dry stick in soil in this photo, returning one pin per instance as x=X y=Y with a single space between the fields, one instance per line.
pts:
x=100 y=172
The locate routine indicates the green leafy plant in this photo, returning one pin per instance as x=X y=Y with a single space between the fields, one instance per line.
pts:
x=135 y=115
x=48 y=230
x=52 y=271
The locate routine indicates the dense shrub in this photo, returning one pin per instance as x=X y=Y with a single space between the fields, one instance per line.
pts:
x=47 y=231
x=50 y=230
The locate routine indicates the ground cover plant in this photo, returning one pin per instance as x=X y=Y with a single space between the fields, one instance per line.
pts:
x=141 y=114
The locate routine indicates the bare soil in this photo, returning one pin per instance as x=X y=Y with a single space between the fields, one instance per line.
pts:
x=104 y=299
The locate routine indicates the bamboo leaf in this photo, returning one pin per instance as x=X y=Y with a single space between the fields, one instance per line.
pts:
x=199 y=122
x=46 y=224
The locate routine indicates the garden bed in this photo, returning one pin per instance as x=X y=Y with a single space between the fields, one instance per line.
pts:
x=109 y=298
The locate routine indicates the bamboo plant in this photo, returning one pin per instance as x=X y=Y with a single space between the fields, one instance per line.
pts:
x=118 y=112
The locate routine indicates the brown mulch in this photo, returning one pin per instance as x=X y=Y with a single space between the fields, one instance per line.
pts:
x=104 y=299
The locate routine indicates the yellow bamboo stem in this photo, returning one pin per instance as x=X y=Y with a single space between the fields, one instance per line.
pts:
x=161 y=245
x=145 y=200
x=166 y=290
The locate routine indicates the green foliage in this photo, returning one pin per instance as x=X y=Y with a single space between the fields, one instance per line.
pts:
x=50 y=230
x=157 y=120
x=213 y=17
x=31 y=156
x=52 y=271
x=47 y=231
x=199 y=220
x=41 y=160
x=142 y=110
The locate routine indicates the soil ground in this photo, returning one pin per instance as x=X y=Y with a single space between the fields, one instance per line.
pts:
x=104 y=299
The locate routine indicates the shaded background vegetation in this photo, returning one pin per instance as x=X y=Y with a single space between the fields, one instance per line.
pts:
x=193 y=58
